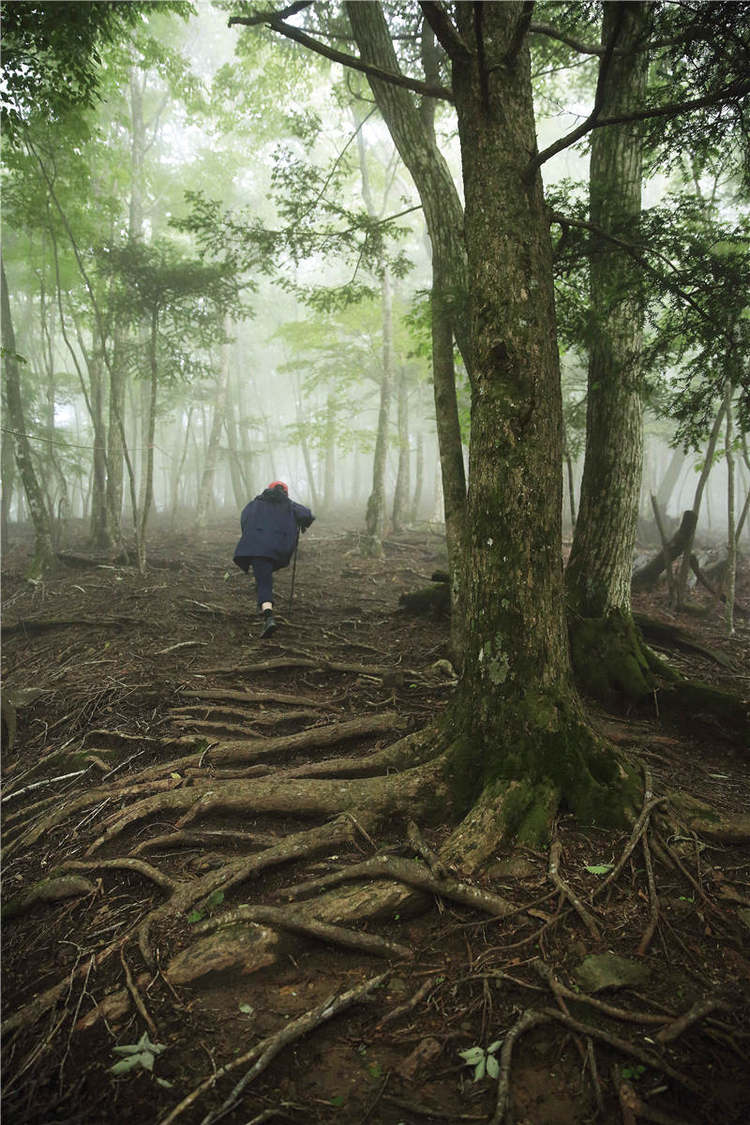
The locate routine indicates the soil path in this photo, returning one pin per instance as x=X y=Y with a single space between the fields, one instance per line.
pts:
x=132 y=701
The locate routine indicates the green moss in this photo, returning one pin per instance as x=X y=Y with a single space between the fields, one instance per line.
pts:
x=539 y=752
x=609 y=658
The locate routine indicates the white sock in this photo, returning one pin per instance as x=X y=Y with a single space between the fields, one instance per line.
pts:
x=266 y=605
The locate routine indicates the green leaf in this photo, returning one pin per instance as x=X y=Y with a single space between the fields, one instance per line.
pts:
x=195 y=916
x=338 y=1101
x=247 y=1009
x=214 y=899
x=598 y=868
x=480 y=1069
x=146 y=1060
x=472 y=1055
x=124 y=1065
x=163 y=1082
x=494 y=1046
x=493 y=1066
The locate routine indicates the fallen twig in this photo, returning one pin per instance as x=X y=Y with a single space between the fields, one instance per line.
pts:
x=264 y=1052
x=554 y=860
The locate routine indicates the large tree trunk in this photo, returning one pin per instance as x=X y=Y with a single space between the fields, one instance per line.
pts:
x=44 y=555
x=412 y=130
x=601 y=558
x=521 y=739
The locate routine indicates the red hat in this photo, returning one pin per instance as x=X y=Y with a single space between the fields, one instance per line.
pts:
x=279 y=484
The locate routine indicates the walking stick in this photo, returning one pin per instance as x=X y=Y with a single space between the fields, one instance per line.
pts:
x=294 y=570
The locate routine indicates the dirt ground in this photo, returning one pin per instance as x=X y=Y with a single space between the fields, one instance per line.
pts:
x=136 y=685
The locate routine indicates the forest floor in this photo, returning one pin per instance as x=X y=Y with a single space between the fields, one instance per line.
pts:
x=140 y=687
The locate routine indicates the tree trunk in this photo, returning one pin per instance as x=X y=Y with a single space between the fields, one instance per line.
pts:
x=7 y=476
x=708 y=460
x=115 y=452
x=731 y=540
x=44 y=555
x=205 y=495
x=670 y=478
x=149 y=429
x=521 y=740
x=412 y=130
x=601 y=558
x=403 y=485
x=419 y=481
x=329 y=481
x=375 y=517
x=98 y=527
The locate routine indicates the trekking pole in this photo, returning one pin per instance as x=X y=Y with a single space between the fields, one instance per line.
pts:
x=294 y=570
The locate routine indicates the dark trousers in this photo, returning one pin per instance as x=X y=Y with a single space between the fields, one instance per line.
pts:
x=263 y=571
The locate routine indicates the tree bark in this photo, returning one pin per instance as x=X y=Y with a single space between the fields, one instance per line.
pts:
x=44 y=554
x=521 y=739
x=375 y=516
x=205 y=495
x=599 y=570
x=411 y=128
x=149 y=429
x=403 y=484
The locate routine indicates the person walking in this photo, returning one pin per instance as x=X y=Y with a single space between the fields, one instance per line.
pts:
x=271 y=524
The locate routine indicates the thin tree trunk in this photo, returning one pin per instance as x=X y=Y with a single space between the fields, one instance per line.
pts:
x=403 y=484
x=684 y=571
x=205 y=495
x=419 y=480
x=731 y=537
x=670 y=478
x=411 y=126
x=44 y=554
x=150 y=430
x=375 y=516
x=329 y=481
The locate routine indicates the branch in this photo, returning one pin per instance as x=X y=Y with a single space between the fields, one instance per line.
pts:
x=562 y=37
x=736 y=89
x=635 y=252
x=590 y=122
x=273 y=21
x=445 y=31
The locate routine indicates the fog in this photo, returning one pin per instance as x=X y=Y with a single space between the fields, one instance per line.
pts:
x=283 y=378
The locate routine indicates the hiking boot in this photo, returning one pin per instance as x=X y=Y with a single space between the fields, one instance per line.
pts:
x=269 y=625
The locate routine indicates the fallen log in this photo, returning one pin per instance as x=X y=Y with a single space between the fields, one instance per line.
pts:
x=646 y=576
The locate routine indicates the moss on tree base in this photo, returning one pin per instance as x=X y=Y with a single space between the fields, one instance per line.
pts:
x=610 y=661
x=543 y=758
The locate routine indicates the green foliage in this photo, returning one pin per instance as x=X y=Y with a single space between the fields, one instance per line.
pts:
x=138 y=1055
x=52 y=53
x=483 y=1061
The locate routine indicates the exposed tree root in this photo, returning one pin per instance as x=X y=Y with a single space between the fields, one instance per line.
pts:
x=295 y=921
x=415 y=875
x=188 y=839
x=228 y=695
x=264 y=1052
x=586 y=917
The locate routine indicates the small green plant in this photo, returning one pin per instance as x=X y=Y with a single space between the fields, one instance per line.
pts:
x=598 y=868
x=141 y=1054
x=633 y=1072
x=214 y=899
x=484 y=1062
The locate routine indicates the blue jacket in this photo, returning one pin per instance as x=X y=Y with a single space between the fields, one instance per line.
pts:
x=270 y=526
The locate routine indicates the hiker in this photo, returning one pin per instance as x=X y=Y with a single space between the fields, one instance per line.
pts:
x=271 y=525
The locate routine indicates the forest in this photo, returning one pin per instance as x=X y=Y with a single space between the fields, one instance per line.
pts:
x=445 y=819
